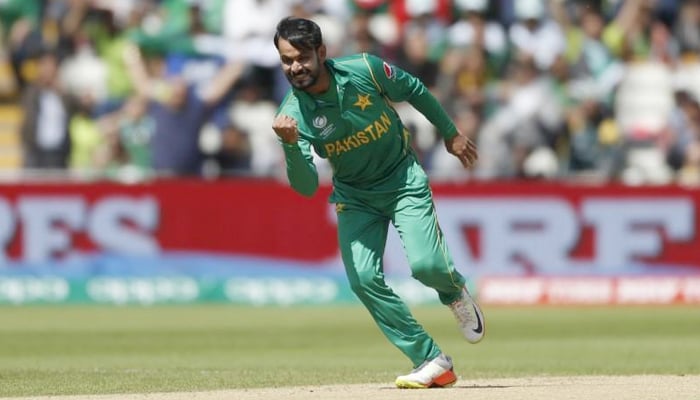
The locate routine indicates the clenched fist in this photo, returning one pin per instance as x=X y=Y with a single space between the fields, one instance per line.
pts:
x=286 y=128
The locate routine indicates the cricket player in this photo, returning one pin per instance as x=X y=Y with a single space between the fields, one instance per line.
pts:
x=342 y=108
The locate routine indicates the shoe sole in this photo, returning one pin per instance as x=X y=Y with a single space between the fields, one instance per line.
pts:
x=447 y=379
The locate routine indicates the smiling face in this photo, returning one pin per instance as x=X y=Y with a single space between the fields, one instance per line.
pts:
x=302 y=67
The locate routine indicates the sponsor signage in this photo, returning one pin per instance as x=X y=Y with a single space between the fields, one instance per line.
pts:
x=257 y=291
x=528 y=243
x=48 y=223
x=590 y=291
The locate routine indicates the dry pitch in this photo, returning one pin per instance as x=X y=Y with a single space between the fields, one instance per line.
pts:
x=637 y=387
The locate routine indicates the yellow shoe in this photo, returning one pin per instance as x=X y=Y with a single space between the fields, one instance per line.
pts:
x=434 y=373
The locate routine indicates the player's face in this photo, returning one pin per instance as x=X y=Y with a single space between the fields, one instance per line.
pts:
x=301 y=67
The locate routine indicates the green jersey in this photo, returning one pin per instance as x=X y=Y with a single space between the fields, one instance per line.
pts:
x=355 y=127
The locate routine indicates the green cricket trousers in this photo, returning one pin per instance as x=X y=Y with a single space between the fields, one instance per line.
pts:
x=362 y=233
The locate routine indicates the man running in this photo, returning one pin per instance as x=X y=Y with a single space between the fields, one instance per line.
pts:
x=342 y=108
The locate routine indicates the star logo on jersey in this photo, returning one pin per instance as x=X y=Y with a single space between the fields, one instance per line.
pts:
x=339 y=207
x=363 y=101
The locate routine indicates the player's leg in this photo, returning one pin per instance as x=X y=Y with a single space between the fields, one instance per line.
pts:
x=426 y=250
x=362 y=237
x=416 y=221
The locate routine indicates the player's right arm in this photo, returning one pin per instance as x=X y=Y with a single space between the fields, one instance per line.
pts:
x=301 y=170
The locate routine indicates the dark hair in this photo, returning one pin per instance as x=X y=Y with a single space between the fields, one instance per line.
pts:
x=300 y=32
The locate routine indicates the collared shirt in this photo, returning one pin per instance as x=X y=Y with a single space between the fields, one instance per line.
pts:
x=355 y=126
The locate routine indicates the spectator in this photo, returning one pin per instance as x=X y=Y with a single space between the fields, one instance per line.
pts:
x=596 y=72
x=234 y=156
x=20 y=20
x=128 y=133
x=249 y=25
x=684 y=145
x=637 y=34
x=594 y=63
x=473 y=29
x=179 y=110
x=111 y=44
x=86 y=139
x=427 y=19
x=528 y=112
x=415 y=58
x=372 y=32
x=48 y=110
x=587 y=91
x=466 y=81
x=535 y=34
x=246 y=112
x=687 y=28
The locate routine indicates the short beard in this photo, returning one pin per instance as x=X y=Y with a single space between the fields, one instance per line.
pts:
x=306 y=84
x=313 y=76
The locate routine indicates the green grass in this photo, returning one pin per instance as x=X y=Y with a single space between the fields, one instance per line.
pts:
x=90 y=349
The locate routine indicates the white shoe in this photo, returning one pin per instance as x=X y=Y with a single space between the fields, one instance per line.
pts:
x=469 y=316
x=432 y=373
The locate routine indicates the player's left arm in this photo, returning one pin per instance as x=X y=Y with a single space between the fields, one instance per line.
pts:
x=398 y=85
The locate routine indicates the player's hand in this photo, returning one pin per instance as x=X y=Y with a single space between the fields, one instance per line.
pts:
x=463 y=148
x=286 y=128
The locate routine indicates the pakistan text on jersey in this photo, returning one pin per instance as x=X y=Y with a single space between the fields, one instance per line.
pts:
x=372 y=132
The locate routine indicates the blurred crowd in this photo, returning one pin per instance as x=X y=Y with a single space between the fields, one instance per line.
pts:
x=592 y=90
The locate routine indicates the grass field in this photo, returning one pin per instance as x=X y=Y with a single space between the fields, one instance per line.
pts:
x=90 y=349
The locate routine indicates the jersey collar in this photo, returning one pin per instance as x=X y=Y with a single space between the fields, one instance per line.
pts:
x=342 y=78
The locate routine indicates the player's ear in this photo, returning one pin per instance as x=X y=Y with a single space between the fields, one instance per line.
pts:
x=322 y=52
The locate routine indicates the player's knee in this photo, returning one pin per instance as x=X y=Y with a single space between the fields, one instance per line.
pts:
x=362 y=284
x=425 y=268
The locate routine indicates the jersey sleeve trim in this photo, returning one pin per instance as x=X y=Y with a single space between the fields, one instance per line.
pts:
x=371 y=73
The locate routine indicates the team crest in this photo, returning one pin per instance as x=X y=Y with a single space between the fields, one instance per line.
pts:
x=320 y=121
x=388 y=70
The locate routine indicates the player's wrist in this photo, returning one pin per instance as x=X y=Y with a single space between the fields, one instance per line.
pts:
x=290 y=145
x=450 y=134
